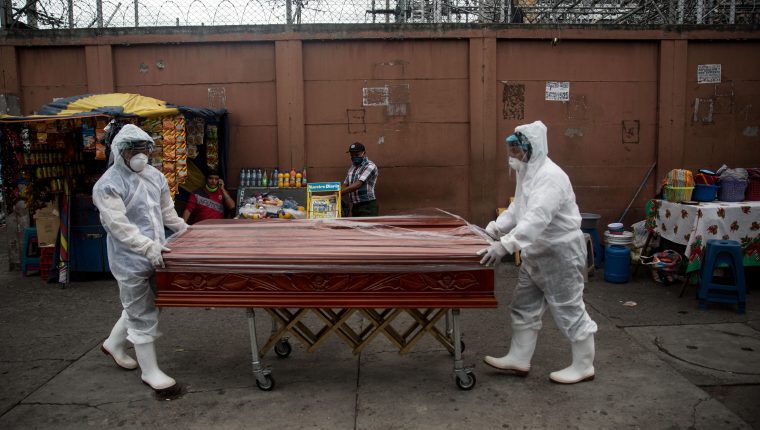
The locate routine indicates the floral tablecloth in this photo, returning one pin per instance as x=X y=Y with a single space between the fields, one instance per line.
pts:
x=694 y=225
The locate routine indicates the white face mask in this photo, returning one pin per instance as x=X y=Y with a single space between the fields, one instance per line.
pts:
x=138 y=162
x=516 y=164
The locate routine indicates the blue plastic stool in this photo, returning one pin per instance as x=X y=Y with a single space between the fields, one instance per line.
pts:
x=30 y=252
x=721 y=253
x=598 y=253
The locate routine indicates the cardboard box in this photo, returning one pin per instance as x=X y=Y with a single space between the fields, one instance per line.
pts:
x=47 y=229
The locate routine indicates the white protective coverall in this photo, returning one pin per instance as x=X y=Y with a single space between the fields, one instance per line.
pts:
x=544 y=224
x=134 y=208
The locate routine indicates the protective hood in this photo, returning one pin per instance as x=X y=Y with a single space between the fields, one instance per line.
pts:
x=127 y=136
x=536 y=134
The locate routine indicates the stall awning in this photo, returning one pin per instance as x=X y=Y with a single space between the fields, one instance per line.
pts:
x=111 y=105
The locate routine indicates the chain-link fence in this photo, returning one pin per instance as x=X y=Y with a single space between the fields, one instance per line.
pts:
x=46 y=14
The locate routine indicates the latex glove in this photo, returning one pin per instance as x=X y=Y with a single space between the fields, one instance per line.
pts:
x=492 y=254
x=153 y=254
x=493 y=231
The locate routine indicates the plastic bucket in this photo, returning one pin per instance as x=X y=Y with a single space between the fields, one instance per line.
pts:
x=704 y=193
x=617 y=264
x=623 y=239
x=589 y=220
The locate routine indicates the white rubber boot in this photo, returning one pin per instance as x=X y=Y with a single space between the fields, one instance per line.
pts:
x=582 y=368
x=151 y=374
x=521 y=349
x=116 y=346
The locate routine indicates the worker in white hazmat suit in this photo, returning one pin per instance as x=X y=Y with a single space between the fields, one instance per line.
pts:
x=135 y=205
x=543 y=223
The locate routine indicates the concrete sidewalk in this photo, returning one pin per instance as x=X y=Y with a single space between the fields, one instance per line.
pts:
x=660 y=364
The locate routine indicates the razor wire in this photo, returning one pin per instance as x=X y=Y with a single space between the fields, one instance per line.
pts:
x=52 y=14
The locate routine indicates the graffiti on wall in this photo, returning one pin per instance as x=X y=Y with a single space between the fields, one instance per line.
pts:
x=513 y=99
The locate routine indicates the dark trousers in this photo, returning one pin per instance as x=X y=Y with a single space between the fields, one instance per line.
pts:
x=370 y=208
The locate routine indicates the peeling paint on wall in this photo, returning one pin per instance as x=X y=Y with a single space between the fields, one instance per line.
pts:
x=375 y=96
x=398 y=99
x=573 y=132
x=750 y=131
x=356 y=122
x=160 y=65
x=631 y=131
x=576 y=107
x=217 y=97
x=142 y=68
x=745 y=113
x=389 y=70
x=703 y=110
x=513 y=98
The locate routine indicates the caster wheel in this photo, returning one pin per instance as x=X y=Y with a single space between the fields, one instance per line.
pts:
x=268 y=385
x=283 y=349
x=468 y=384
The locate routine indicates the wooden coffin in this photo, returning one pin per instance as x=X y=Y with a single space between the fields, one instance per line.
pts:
x=381 y=262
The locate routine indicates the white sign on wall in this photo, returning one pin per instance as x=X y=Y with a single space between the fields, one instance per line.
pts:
x=708 y=73
x=557 y=91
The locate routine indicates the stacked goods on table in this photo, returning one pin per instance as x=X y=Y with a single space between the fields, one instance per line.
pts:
x=678 y=185
x=733 y=183
x=265 y=205
x=705 y=187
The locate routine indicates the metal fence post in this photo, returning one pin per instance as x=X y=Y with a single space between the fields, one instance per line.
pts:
x=732 y=13
x=99 y=6
x=31 y=13
x=4 y=9
x=700 y=12
x=137 y=14
x=289 y=11
x=70 y=4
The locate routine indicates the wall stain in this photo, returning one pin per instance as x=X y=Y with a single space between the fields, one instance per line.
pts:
x=573 y=132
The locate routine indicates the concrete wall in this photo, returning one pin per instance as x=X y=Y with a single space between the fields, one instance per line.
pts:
x=298 y=99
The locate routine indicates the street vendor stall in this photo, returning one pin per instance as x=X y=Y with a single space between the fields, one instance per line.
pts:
x=50 y=162
x=423 y=266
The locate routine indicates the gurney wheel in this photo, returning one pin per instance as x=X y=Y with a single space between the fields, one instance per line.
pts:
x=266 y=386
x=467 y=384
x=283 y=349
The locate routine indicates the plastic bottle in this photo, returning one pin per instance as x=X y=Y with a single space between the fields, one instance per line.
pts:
x=303 y=177
x=265 y=179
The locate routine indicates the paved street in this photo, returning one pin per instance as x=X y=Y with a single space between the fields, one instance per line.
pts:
x=660 y=364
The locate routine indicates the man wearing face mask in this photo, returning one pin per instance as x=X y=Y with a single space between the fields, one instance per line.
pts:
x=135 y=205
x=360 y=182
x=543 y=223
x=209 y=201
